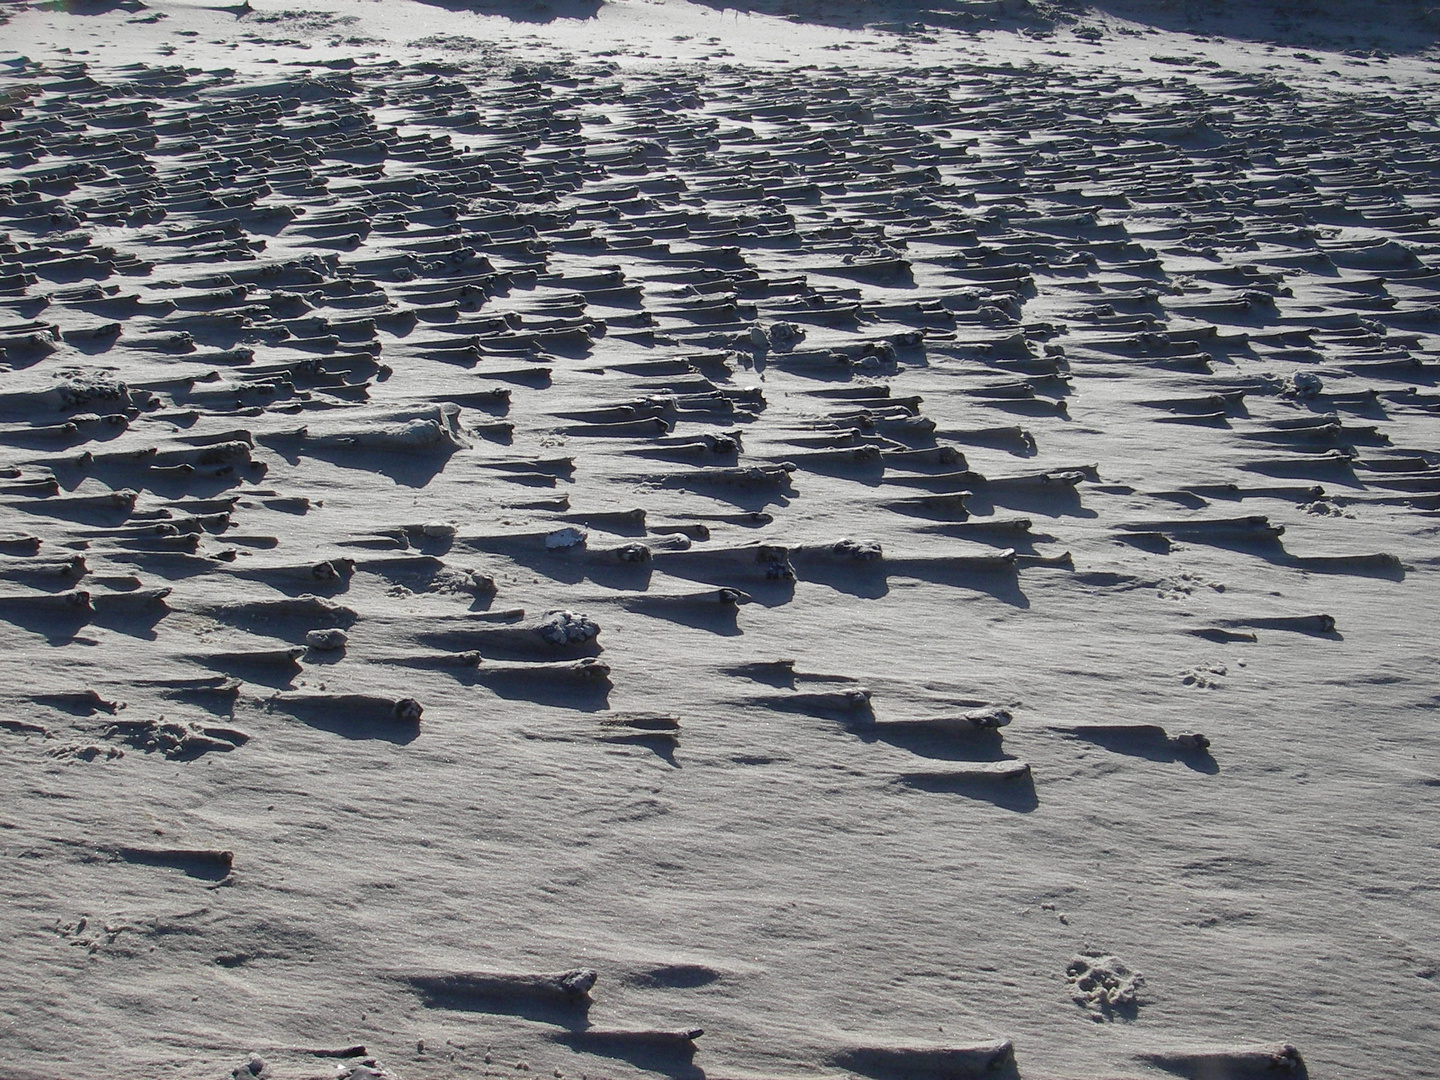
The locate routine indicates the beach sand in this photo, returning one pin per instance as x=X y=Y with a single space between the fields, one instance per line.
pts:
x=653 y=538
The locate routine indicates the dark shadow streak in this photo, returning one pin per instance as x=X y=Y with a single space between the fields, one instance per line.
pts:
x=203 y=865
x=324 y=717
x=1009 y=793
x=541 y=687
x=1152 y=745
x=672 y=1057
x=924 y=740
x=540 y=1010
x=661 y=745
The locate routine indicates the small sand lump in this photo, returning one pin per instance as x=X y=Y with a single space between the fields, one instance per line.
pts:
x=567 y=628
x=408 y=711
x=327 y=640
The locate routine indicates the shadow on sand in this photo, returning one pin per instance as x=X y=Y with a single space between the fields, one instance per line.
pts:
x=1398 y=25
x=526 y=11
x=1405 y=26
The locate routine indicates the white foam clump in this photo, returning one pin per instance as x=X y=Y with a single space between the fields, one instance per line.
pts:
x=567 y=537
x=567 y=628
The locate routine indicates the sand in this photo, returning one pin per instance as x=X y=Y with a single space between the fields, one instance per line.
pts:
x=666 y=539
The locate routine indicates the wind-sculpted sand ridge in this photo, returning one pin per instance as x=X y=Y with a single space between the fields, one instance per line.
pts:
x=410 y=470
